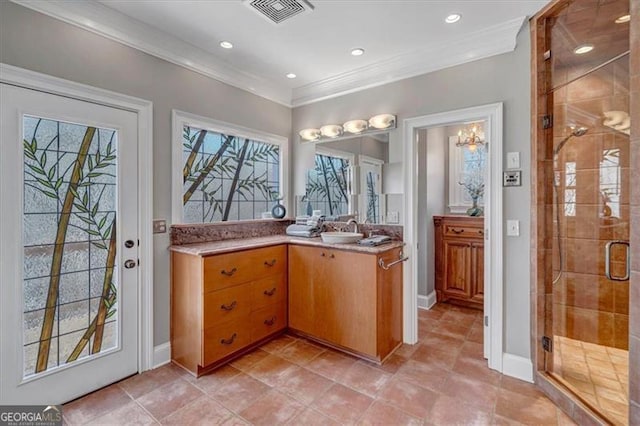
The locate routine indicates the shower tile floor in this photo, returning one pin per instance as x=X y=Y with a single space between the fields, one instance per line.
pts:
x=599 y=374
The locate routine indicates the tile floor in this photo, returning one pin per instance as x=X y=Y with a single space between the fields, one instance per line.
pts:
x=442 y=380
x=599 y=374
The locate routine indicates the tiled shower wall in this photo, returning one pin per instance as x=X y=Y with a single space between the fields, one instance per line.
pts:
x=593 y=194
x=634 y=297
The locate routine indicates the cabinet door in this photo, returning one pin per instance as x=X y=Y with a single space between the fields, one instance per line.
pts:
x=345 y=300
x=303 y=264
x=457 y=265
x=477 y=271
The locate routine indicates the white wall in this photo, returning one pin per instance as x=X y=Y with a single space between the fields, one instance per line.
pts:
x=433 y=157
x=503 y=78
x=37 y=42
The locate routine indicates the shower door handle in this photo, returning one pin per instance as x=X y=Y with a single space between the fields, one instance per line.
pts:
x=607 y=260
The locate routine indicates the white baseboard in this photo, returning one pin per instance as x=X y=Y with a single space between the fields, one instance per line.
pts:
x=427 y=302
x=518 y=367
x=161 y=354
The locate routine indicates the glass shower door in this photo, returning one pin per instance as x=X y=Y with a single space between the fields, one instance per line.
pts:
x=591 y=174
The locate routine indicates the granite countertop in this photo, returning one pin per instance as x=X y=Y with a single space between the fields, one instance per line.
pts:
x=225 y=246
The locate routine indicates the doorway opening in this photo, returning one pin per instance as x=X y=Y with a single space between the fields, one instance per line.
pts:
x=489 y=259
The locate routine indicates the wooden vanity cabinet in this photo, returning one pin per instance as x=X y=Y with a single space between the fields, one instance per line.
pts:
x=344 y=299
x=222 y=305
x=459 y=260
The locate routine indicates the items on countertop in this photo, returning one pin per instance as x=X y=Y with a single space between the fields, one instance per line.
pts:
x=306 y=226
x=375 y=240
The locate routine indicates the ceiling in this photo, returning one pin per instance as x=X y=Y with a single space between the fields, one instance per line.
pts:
x=401 y=38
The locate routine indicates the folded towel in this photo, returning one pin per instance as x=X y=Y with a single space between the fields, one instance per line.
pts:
x=376 y=240
x=302 y=220
x=303 y=231
x=305 y=234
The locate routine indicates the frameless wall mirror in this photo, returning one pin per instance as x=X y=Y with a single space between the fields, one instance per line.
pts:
x=348 y=179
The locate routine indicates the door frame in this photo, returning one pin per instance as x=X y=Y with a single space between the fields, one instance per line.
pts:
x=28 y=79
x=492 y=114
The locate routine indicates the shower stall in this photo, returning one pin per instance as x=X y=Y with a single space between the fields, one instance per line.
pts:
x=583 y=206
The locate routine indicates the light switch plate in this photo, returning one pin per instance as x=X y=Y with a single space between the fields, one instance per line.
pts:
x=513 y=228
x=159 y=226
x=393 y=217
x=513 y=160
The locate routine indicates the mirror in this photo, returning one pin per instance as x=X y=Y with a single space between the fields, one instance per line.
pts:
x=351 y=179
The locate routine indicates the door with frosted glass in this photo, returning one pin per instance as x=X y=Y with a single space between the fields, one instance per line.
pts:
x=68 y=246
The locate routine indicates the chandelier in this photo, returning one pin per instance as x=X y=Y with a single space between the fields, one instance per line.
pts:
x=471 y=138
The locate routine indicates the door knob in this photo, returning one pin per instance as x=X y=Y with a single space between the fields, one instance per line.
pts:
x=129 y=263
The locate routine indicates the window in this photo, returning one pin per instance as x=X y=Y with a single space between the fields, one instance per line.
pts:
x=223 y=172
x=465 y=166
x=328 y=183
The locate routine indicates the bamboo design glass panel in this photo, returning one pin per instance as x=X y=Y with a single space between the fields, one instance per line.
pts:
x=373 y=197
x=226 y=177
x=69 y=235
x=328 y=185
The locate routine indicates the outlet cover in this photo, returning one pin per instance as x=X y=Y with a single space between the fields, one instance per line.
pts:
x=393 y=217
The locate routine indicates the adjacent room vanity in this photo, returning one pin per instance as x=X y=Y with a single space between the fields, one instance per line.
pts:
x=459 y=259
x=228 y=297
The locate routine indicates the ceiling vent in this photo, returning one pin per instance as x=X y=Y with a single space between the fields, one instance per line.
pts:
x=278 y=11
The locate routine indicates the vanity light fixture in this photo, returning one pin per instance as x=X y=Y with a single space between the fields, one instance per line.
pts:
x=291 y=75
x=358 y=51
x=310 y=134
x=352 y=128
x=623 y=19
x=226 y=45
x=382 y=121
x=331 y=130
x=355 y=126
x=582 y=49
x=470 y=139
x=453 y=18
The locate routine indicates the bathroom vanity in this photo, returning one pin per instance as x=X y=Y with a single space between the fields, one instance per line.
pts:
x=228 y=297
x=459 y=259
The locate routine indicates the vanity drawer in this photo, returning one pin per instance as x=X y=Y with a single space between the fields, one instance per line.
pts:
x=226 y=305
x=463 y=231
x=268 y=320
x=268 y=291
x=226 y=270
x=222 y=340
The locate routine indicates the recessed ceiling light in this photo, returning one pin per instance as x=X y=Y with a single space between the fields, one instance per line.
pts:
x=291 y=75
x=226 y=45
x=454 y=17
x=358 y=51
x=581 y=50
x=623 y=19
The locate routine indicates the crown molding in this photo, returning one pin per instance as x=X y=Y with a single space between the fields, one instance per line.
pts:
x=112 y=24
x=99 y=19
x=481 y=44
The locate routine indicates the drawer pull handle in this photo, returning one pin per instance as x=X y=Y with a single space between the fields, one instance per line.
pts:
x=322 y=254
x=332 y=256
x=272 y=263
x=270 y=321
x=270 y=292
x=229 y=307
x=229 y=340
x=457 y=231
x=480 y=231
x=229 y=273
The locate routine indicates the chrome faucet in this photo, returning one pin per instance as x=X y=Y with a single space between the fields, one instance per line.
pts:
x=355 y=225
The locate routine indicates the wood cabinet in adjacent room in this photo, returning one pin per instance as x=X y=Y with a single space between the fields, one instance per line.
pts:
x=221 y=305
x=459 y=260
x=346 y=299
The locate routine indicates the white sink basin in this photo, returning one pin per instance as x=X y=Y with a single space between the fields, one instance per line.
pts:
x=341 y=237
